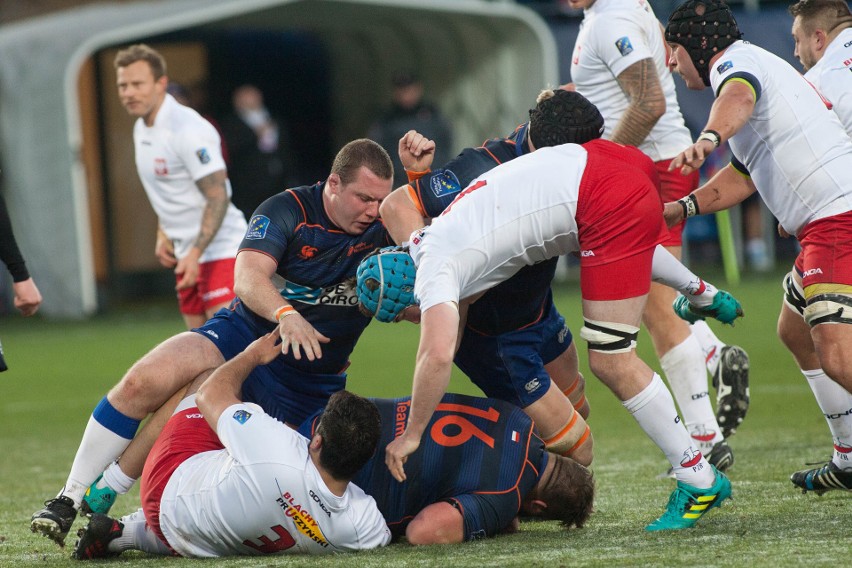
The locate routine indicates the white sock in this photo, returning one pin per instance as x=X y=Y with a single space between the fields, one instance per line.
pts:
x=116 y=479
x=710 y=345
x=836 y=405
x=98 y=448
x=667 y=269
x=137 y=535
x=654 y=410
x=687 y=376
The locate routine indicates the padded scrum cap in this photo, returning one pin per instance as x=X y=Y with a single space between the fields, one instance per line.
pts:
x=385 y=283
x=703 y=28
x=566 y=117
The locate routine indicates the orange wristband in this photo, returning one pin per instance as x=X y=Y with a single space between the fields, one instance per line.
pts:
x=283 y=312
x=414 y=176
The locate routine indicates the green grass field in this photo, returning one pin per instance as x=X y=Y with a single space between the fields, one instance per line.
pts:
x=59 y=371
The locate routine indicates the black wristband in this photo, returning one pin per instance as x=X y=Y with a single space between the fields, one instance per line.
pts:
x=714 y=137
x=689 y=205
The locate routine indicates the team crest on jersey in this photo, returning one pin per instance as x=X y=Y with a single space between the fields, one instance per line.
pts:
x=445 y=183
x=203 y=155
x=161 y=168
x=725 y=66
x=257 y=227
x=624 y=46
x=307 y=252
x=242 y=416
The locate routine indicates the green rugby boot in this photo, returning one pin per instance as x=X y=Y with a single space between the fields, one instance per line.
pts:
x=687 y=504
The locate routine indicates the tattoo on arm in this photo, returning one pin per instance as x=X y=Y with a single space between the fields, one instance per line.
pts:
x=215 y=192
x=641 y=84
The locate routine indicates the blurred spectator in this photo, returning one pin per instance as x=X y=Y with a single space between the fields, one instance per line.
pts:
x=409 y=111
x=757 y=251
x=27 y=296
x=260 y=156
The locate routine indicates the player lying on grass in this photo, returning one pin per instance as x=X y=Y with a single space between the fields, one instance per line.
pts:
x=224 y=478
x=506 y=472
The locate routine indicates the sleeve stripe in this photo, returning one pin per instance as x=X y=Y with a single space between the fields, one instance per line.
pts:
x=739 y=167
x=745 y=78
x=414 y=195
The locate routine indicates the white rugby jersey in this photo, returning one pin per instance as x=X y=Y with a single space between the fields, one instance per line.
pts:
x=832 y=75
x=263 y=495
x=180 y=148
x=519 y=217
x=614 y=35
x=794 y=148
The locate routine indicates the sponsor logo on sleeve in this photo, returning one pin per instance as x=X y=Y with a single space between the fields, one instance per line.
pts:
x=444 y=183
x=624 y=46
x=257 y=227
x=242 y=416
x=417 y=236
x=203 y=155
x=725 y=66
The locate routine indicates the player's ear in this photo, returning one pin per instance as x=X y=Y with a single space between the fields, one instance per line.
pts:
x=536 y=507
x=334 y=183
x=316 y=443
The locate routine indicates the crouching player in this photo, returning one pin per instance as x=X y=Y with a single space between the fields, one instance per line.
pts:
x=224 y=478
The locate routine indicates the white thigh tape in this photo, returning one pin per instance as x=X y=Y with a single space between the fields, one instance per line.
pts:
x=609 y=337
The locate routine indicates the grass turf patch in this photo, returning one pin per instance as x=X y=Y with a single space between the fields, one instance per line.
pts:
x=59 y=371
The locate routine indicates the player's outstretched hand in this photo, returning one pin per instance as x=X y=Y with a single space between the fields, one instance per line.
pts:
x=397 y=452
x=264 y=349
x=692 y=158
x=297 y=334
x=416 y=152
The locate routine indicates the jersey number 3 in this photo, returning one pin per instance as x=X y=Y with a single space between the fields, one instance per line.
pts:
x=269 y=546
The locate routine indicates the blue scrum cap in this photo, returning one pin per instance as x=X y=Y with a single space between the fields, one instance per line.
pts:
x=385 y=283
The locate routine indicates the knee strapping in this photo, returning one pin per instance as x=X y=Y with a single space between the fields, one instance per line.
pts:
x=609 y=337
x=828 y=308
x=794 y=295
x=571 y=438
x=576 y=393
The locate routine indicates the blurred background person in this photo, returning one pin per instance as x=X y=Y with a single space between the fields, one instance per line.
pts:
x=180 y=165
x=27 y=296
x=410 y=111
x=259 y=153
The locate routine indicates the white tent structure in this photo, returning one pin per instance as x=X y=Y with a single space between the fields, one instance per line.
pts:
x=484 y=61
